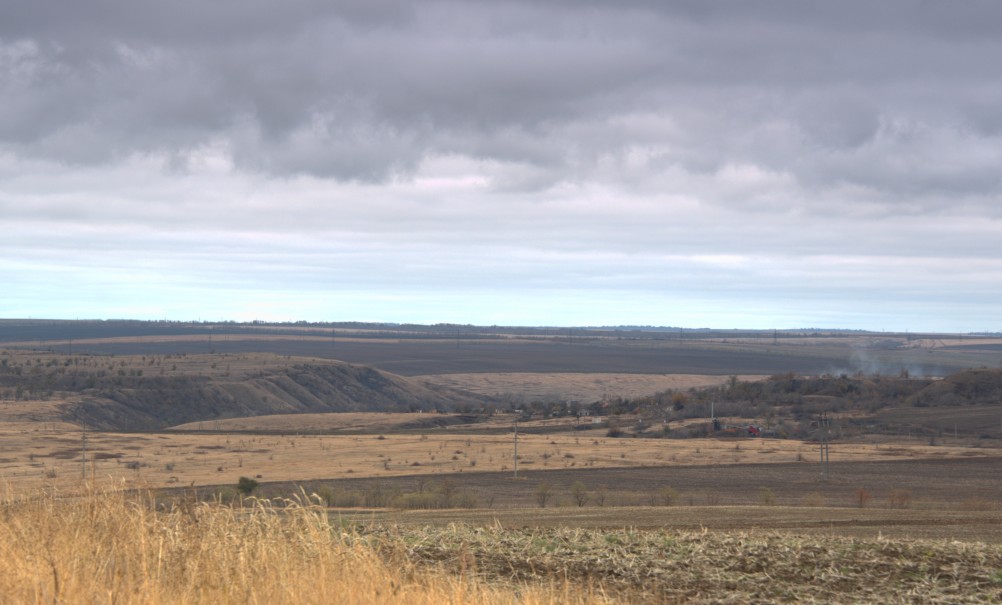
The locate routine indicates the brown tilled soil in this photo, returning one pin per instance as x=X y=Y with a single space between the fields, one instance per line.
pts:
x=976 y=420
x=965 y=484
x=413 y=357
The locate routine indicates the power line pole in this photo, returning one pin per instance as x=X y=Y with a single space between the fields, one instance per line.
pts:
x=516 y=448
x=83 y=454
x=823 y=431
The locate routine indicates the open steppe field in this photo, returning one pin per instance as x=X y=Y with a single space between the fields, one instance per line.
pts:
x=42 y=452
x=695 y=521
x=621 y=471
x=417 y=355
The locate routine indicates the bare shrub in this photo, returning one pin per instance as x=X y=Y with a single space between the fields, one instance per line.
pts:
x=974 y=503
x=814 y=499
x=899 y=498
x=542 y=494
x=861 y=497
x=579 y=493
x=600 y=495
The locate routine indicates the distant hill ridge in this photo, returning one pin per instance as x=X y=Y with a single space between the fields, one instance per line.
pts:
x=153 y=403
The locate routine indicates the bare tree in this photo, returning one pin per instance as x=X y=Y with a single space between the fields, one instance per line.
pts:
x=542 y=494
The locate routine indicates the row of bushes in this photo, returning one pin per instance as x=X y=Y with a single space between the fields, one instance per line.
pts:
x=445 y=496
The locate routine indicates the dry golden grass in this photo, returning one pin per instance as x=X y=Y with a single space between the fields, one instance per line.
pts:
x=114 y=548
x=44 y=454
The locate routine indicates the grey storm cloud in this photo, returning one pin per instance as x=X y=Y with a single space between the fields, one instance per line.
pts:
x=807 y=148
x=365 y=90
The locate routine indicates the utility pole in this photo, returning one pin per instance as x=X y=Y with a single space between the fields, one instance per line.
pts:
x=823 y=430
x=83 y=454
x=516 y=448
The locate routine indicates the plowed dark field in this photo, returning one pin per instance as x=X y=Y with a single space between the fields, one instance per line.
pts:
x=920 y=498
x=413 y=357
x=423 y=350
x=949 y=483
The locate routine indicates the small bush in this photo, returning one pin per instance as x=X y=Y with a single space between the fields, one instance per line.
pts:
x=668 y=496
x=464 y=500
x=418 y=500
x=246 y=485
x=377 y=497
x=347 y=499
x=814 y=499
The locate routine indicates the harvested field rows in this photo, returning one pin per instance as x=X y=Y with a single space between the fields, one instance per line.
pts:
x=708 y=567
x=867 y=523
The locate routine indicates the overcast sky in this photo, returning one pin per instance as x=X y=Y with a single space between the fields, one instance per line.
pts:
x=778 y=163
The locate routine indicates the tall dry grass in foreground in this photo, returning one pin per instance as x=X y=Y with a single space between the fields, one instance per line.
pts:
x=116 y=548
